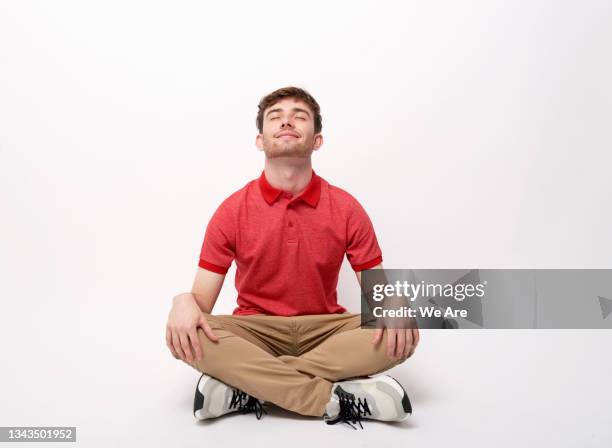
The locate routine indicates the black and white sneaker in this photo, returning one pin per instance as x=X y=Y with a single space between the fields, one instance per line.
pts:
x=214 y=398
x=377 y=398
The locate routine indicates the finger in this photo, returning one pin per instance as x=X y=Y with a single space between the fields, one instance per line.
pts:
x=184 y=338
x=378 y=333
x=169 y=342
x=195 y=343
x=207 y=330
x=409 y=343
x=391 y=336
x=400 y=344
x=176 y=343
x=416 y=337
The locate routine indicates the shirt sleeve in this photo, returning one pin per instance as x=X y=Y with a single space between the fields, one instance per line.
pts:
x=362 y=249
x=219 y=245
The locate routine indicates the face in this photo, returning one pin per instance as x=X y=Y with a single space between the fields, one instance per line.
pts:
x=288 y=130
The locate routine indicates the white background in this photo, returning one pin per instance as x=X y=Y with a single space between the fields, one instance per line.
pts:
x=475 y=134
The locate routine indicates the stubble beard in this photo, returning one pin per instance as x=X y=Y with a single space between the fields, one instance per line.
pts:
x=284 y=149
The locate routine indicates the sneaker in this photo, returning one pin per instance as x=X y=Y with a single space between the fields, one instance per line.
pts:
x=377 y=398
x=214 y=398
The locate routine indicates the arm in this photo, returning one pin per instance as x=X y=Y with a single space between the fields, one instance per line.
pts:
x=206 y=288
x=190 y=310
x=401 y=343
x=187 y=314
x=358 y=273
x=364 y=253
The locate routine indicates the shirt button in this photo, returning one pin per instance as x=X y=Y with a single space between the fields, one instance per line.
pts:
x=290 y=224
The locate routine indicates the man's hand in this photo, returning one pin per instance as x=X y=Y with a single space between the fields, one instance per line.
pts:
x=401 y=343
x=181 y=331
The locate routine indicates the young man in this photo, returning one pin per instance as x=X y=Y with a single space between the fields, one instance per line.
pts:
x=288 y=341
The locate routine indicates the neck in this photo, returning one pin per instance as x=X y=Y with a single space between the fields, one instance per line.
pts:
x=289 y=175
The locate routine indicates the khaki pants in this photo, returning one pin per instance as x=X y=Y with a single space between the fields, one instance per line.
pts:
x=291 y=361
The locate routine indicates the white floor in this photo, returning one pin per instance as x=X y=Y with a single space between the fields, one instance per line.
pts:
x=113 y=378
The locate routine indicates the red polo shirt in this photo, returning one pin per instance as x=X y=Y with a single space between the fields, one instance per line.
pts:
x=288 y=250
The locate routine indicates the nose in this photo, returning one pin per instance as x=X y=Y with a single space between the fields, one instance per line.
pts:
x=287 y=122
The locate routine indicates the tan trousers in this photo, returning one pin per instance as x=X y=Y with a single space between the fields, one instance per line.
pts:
x=291 y=361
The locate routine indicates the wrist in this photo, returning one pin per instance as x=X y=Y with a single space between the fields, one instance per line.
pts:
x=182 y=298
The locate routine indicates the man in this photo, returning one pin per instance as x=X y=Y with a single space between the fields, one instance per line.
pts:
x=288 y=341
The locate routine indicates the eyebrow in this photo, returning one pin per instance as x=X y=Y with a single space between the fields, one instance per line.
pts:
x=295 y=109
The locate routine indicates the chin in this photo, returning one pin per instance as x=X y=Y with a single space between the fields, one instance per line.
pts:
x=276 y=152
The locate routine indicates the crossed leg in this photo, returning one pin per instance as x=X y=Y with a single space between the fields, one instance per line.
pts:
x=253 y=355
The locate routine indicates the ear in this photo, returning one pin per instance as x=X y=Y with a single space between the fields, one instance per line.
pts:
x=259 y=142
x=317 y=141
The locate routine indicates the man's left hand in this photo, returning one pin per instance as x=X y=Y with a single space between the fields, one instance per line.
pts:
x=401 y=343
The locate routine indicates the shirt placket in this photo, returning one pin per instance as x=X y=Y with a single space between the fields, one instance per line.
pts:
x=291 y=229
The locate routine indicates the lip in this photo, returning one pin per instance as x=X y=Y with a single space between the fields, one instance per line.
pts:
x=287 y=134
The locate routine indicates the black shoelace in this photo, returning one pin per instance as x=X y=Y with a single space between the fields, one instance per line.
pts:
x=351 y=410
x=245 y=403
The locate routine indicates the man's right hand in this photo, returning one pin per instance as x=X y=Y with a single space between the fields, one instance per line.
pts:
x=181 y=331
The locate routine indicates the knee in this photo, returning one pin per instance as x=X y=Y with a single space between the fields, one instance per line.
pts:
x=386 y=357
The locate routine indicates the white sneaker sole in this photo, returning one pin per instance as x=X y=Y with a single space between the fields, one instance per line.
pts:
x=211 y=398
x=202 y=398
x=395 y=386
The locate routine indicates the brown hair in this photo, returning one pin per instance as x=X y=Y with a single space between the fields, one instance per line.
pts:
x=289 y=92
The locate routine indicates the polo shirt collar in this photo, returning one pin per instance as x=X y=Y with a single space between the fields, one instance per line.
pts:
x=310 y=195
